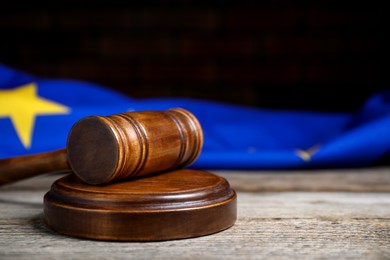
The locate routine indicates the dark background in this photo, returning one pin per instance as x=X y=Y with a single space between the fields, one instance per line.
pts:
x=318 y=55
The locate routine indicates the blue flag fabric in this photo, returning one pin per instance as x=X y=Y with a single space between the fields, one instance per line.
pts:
x=36 y=115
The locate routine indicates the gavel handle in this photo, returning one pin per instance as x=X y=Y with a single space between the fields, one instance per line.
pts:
x=18 y=168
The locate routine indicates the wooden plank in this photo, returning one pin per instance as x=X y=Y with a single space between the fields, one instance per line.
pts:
x=352 y=180
x=281 y=225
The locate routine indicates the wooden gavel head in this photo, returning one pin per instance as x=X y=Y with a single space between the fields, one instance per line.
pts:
x=101 y=149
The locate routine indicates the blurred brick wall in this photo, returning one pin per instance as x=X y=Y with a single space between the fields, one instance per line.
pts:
x=284 y=54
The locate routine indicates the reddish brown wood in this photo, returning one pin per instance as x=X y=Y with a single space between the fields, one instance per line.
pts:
x=177 y=204
x=101 y=149
x=19 y=168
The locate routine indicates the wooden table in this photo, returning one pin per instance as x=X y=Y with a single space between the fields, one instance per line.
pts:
x=327 y=214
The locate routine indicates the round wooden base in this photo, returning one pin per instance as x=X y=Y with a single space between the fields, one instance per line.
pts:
x=172 y=205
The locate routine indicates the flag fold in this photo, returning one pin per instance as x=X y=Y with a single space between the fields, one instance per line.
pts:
x=37 y=113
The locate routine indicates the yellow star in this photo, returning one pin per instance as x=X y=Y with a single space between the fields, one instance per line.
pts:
x=307 y=154
x=22 y=105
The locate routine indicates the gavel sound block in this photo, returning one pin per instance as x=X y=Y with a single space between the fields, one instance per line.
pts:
x=172 y=205
x=117 y=152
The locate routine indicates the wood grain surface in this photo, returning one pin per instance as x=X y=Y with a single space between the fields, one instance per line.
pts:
x=353 y=180
x=294 y=224
x=126 y=145
x=177 y=204
x=24 y=167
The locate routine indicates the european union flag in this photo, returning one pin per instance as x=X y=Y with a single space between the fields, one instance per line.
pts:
x=36 y=115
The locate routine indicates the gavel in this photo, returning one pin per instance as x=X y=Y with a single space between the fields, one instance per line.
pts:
x=101 y=149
